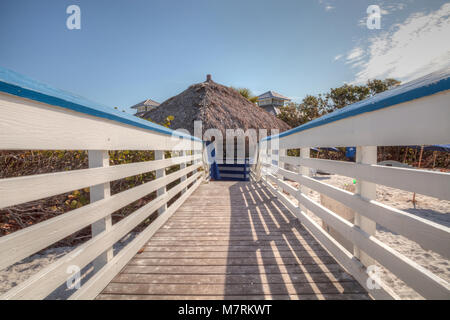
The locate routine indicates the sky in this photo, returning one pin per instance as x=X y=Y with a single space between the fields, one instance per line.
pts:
x=129 y=50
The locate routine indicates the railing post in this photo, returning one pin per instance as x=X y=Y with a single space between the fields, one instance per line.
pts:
x=194 y=162
x=282 y=153
x=304 y=153
x=183 y=166
x=274 y=159
x=365 y=155
x=159 y=155
x=100 y=158
x=268 y=156
x=204 y=159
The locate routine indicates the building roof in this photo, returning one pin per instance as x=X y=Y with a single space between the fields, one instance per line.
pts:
x=272 y=94
x=146 y=103
x=218 y=107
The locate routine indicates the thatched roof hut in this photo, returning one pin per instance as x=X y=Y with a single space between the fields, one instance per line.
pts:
x=217 y=106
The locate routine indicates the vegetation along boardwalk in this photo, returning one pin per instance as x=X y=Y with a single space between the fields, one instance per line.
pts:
x=233 y=240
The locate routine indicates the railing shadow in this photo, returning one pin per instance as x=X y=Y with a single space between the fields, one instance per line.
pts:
x=283 y=260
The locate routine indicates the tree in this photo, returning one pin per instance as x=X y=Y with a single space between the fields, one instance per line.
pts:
x=313 y=107
x=348 y=94
x=291 y=115
x=378 y=86
x=246 y=93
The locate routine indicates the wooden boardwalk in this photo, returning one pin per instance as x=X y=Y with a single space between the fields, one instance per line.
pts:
x=233 y=240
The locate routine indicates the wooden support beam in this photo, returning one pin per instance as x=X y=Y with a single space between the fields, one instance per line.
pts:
x=159 y=155
x=367 y=190
x=100 y=158
x=304 y=154
x=182 y=166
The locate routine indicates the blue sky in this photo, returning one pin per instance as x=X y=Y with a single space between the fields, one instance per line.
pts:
x=127 y=51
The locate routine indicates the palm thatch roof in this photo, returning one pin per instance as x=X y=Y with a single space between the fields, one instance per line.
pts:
x=217 y=106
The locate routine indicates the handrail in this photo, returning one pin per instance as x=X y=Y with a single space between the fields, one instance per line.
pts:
x=428 y=234
x=61 y=182
x=36 y=116
x=413 y=114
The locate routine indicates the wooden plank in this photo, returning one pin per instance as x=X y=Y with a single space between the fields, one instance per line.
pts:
x=256 y=226
x=21 y=244
x=341 y=296
x=255 y=261
x=426 y=182
x=235 y=229
x=100 y=158
x=227 y=248
x=148 y=253
x=160 y=173
x=230 y=278
x=45 y=185
x=183 y=165
x=276 y=242
x=367 y=190
x=260 y=238
x=270 y=269
x=231 y=289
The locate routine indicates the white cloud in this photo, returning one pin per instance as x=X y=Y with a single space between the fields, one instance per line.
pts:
x=406 y=51
x=355 y=55
x=391 y=8
x=362 y=22
x=327 y=4
x=338 y=57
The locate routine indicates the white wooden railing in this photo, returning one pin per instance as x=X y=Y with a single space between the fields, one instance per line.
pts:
x=35 y=120
x=412 y=115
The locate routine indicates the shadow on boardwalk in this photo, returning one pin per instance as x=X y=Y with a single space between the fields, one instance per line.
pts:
x=233 y=240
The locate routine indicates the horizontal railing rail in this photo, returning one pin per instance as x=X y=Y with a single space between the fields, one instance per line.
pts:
x=428 y=234
x=417 y=113
x=46 y=185
x=34 y=117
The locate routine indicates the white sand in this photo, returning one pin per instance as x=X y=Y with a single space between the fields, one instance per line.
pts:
x=426 y=207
